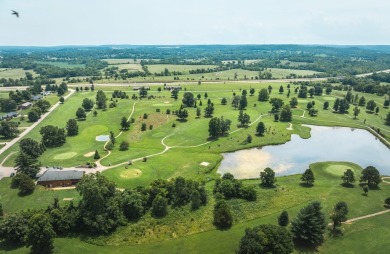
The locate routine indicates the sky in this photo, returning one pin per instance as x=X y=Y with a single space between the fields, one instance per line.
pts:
x=178 y=22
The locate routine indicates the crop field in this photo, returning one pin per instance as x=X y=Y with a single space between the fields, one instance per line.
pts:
x=62 y=64
x=15 y=73
x=157 y=68
x=118 y=61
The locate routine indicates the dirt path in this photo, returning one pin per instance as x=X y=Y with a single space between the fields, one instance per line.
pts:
x=366 y=216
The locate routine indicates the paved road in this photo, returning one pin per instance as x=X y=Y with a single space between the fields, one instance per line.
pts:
x=6 y=171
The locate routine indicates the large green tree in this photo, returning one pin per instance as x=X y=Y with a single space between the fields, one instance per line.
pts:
x=387 y=120
x=52 y=135
x=348 y=177
x=31 y=147
x=308 y=177
x=371 y=105
x=80 y=114
x=43 y=105
x=276 y=103
x=263 y=95
x=159 y=206
x=371 y=176
x=266 y=239
x=188 y=99
x=87 y=104
x=72 y=127
x=222 y=216
x=243 y=118
x=40 y=234
x=99 y=207
x=13 y=228
x=309 y=226
x=339 y=214
x=267 y=177
x=125 y=124
x=9 y=129
x=101 y=100
x=260 y=129
x=286 y=114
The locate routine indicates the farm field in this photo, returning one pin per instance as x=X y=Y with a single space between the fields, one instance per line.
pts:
x=62 y=64
x=15 y=73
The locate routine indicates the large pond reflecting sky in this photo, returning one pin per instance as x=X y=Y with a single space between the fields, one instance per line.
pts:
x=325 y=144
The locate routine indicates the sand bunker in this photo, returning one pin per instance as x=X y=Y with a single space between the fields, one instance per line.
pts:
x=89 y=154
x=67 y=199
x=130 y=173
x=167 y=102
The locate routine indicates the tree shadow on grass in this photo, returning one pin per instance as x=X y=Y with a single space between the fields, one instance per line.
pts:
x=303 y=247
x=7 y=246
x=335 y=233
x=306 y=185
x=267 y=187
x=347 y=185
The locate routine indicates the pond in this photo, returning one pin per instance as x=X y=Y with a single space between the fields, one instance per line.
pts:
x=103 y=138
x=326 y=144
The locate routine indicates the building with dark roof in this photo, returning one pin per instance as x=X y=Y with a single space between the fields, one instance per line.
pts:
x=60 y=178
x=10 y=115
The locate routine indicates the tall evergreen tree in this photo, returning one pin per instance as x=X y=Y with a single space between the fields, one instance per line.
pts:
x=26 y=164
x=309 y=226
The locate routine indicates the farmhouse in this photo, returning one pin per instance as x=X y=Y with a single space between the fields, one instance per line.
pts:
x=9 y=115
x=60 y=178
x=25 y=105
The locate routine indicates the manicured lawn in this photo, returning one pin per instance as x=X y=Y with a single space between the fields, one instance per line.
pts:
x=41 y=197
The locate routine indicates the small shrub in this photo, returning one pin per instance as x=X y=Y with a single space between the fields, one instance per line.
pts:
x=173 y=125
x=151 y=127
x=109 y=145
x=96 y=156
x=387 y=201
x=124 y=146
x=143 y=127
x=145 y=159
x=145 y=116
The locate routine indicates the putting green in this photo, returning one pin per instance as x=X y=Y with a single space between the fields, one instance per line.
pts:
x=337 y=169
x=64 y=156
x=130 y=173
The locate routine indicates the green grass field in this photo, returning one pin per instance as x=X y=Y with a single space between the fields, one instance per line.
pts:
x=15 y=73
x=62 y=64
x=193 y=232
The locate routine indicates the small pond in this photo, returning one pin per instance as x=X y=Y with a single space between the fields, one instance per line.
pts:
x=103 y=138
x=325 y=144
